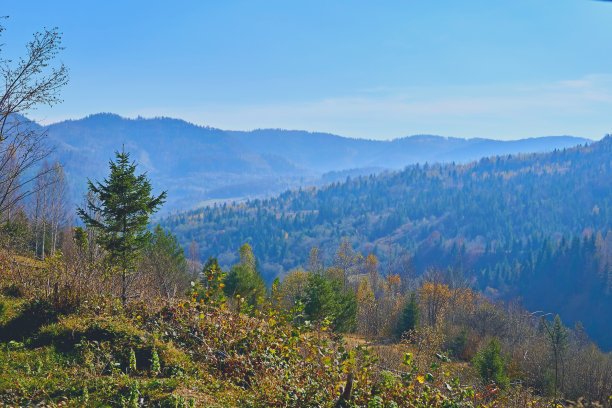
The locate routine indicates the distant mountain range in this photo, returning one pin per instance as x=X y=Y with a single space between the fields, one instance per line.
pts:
x=200 y=165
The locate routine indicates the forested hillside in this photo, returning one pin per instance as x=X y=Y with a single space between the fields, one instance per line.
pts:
x=198 y=164
x=533 y=226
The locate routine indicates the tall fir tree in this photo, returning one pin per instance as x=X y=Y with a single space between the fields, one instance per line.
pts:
x=558 y=342
x=325 y=298
x=124 y=205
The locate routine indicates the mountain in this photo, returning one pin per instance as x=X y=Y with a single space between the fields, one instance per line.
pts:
x=327 y=152
x=189 y=161
x=534 y=226
x=201 y=165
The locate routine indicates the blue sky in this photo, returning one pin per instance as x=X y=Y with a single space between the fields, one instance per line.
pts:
x=380 y=70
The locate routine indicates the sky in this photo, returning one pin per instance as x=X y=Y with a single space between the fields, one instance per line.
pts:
x=377 y=70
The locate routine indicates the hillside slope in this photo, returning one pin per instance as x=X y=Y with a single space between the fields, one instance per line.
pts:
x=509 y=224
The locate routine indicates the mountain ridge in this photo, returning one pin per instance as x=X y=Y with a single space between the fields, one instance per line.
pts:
x=199 y=164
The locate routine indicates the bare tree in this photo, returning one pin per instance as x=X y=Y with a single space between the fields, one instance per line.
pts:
x=40 y=214
x=10 y=172
x=95 y=253
x=58 y=213
x=49 y=207
x=194 y=262
x=28 y=82
x=403 y=265
x=21 y=149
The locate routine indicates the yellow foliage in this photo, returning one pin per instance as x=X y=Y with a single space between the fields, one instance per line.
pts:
x=434 y=298
x=293 y=287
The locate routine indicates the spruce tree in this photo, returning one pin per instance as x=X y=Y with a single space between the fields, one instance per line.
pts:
x=326 y=299
x=409 y=318
x=558 y=342
x=490 y=364
x=346 y=309
x=124 y=206
x=320 y=299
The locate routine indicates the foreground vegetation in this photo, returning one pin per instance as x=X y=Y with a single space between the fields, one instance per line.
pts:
x=189 y=354
x=62 y=346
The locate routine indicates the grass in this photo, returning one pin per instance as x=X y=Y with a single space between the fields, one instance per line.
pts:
x=210 y=358
x=82 y=359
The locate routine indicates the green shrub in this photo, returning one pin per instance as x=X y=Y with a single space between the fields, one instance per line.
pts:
x=33 y=316
x=376 y=402
x=387 y=379
x=490 y=365
x=155 y=366
x=177 y=401
x=132 y=363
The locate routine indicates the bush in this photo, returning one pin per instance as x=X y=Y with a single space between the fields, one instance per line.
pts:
x=13 y=290
x=463 y=345
x=34 y=315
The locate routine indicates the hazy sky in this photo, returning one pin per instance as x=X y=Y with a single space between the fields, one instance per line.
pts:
x=498 y=69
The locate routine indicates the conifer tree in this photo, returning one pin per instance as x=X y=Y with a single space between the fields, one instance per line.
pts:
x=409 y=318
x=558 y=342
x=490 y=364
x=124 y=206
x=320 y=299
x=325 y=298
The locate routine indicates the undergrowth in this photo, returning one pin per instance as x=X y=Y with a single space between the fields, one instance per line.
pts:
x=189 y=354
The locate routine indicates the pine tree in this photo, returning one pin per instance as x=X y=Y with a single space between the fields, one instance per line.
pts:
x=320 y=299
x=125 y=204
x=410 y=316
x=211 y=262
x=326 y=299
x=490 y=365
x=346 y=309
x=558 y=342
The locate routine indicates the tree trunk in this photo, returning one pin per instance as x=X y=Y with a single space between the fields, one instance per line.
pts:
x=124 y=287
x=42 y=254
